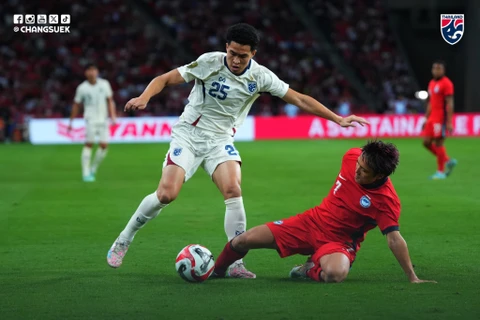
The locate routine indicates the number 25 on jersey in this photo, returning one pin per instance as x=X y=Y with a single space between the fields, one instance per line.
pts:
x=218 y=90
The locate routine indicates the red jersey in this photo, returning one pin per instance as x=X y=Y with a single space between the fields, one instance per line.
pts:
x=438 y=91
x=350 y=210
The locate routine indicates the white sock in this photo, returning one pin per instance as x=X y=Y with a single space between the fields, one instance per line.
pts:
x=99 y=156
x=86 y=155
x=148 y=209
x=235 y=218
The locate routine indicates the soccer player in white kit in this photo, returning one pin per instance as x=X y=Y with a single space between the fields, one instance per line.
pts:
x=94 y=94
x=226 y=85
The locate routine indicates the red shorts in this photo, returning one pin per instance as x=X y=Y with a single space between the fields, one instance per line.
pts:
x=295 y=235
x=434 y=129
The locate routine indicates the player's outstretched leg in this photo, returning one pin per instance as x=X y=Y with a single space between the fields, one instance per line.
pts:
x=255 y=238
x=227 y=177
x=100 y=154
x=86 y=155
x=168 y=189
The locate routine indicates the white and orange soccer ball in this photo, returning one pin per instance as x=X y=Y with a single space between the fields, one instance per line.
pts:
x=195 y=263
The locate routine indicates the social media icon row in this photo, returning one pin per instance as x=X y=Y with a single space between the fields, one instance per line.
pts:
x=41 y=19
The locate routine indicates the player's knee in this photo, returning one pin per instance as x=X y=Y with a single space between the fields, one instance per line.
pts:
x=103 y=145
x=166 y=195
x=89 y=144
x=335 y=275
x=241 y=242
x=232 y=190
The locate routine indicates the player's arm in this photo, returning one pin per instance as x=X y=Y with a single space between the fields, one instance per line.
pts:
x=450 y=109
x=77 y=100
x=310 y=105
x=397 y=244
x=428 y=109
x=155 y=87
x=73 y=113
x=112 y=109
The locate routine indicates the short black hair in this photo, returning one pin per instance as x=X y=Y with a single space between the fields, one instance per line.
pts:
x=90 y=65
x=439 y=61
x=381 y=157
x=244 y=34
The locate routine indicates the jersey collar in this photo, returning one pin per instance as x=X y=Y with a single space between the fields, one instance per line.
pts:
x=226 y=65
x=376 y=184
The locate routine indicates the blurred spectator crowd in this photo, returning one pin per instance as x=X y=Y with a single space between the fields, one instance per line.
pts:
x=39 y=72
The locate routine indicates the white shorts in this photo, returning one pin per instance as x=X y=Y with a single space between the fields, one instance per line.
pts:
x=191 y=147
x=92 y=130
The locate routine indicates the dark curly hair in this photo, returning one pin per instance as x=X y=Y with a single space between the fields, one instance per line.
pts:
x=440 y=61
x=243 y=34
x=90 y=65
x=381 y=157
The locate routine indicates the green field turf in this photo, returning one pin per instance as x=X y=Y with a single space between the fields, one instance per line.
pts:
x=55 y=232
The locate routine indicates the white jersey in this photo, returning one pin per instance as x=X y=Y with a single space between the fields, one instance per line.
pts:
x=221 y=100
x=94 y=100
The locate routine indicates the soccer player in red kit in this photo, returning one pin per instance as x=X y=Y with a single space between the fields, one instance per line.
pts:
x=439 y=121
x=361 y=198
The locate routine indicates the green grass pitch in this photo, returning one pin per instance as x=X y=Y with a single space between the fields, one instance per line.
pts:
x=55 y=232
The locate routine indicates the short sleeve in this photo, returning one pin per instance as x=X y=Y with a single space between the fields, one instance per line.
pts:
x=108 y=87
x=78 y=95
x=448 y=89
x=200 y=68
x=272 y=84
x=388 y=216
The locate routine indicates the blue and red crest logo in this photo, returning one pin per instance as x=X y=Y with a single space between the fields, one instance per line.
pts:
x=452 y=27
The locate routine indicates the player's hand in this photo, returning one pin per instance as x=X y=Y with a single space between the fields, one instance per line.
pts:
x=137 y=103
x=350 y=121
x=450 y=128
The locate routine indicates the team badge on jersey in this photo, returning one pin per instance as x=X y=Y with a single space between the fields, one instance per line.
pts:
x=177 y=151
x=452 y=27
x=278 y=222
x=365 y=202
x=252 y=86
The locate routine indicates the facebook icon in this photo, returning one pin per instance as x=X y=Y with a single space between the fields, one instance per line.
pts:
x=17 y=18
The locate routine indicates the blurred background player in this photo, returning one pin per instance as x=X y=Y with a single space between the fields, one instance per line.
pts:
x=226 y=85
x=439 y=119
x=95 y=94
x=362 y=197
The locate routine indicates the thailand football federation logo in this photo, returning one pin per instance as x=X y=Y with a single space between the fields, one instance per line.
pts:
x=252 y=86
x=452 y=27
x=177 y=151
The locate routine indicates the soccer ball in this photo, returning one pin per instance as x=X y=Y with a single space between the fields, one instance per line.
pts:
x=194 y=263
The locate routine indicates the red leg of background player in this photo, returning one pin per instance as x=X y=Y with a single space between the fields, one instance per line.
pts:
x=442 y=158
x=432 y=148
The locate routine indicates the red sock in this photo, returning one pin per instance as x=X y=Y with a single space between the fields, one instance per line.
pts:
x=432 y=148
x=315 y=273
x=442 y=157
x=228 y=256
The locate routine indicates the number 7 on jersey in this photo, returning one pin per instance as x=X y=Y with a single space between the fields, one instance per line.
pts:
x=338 y=185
